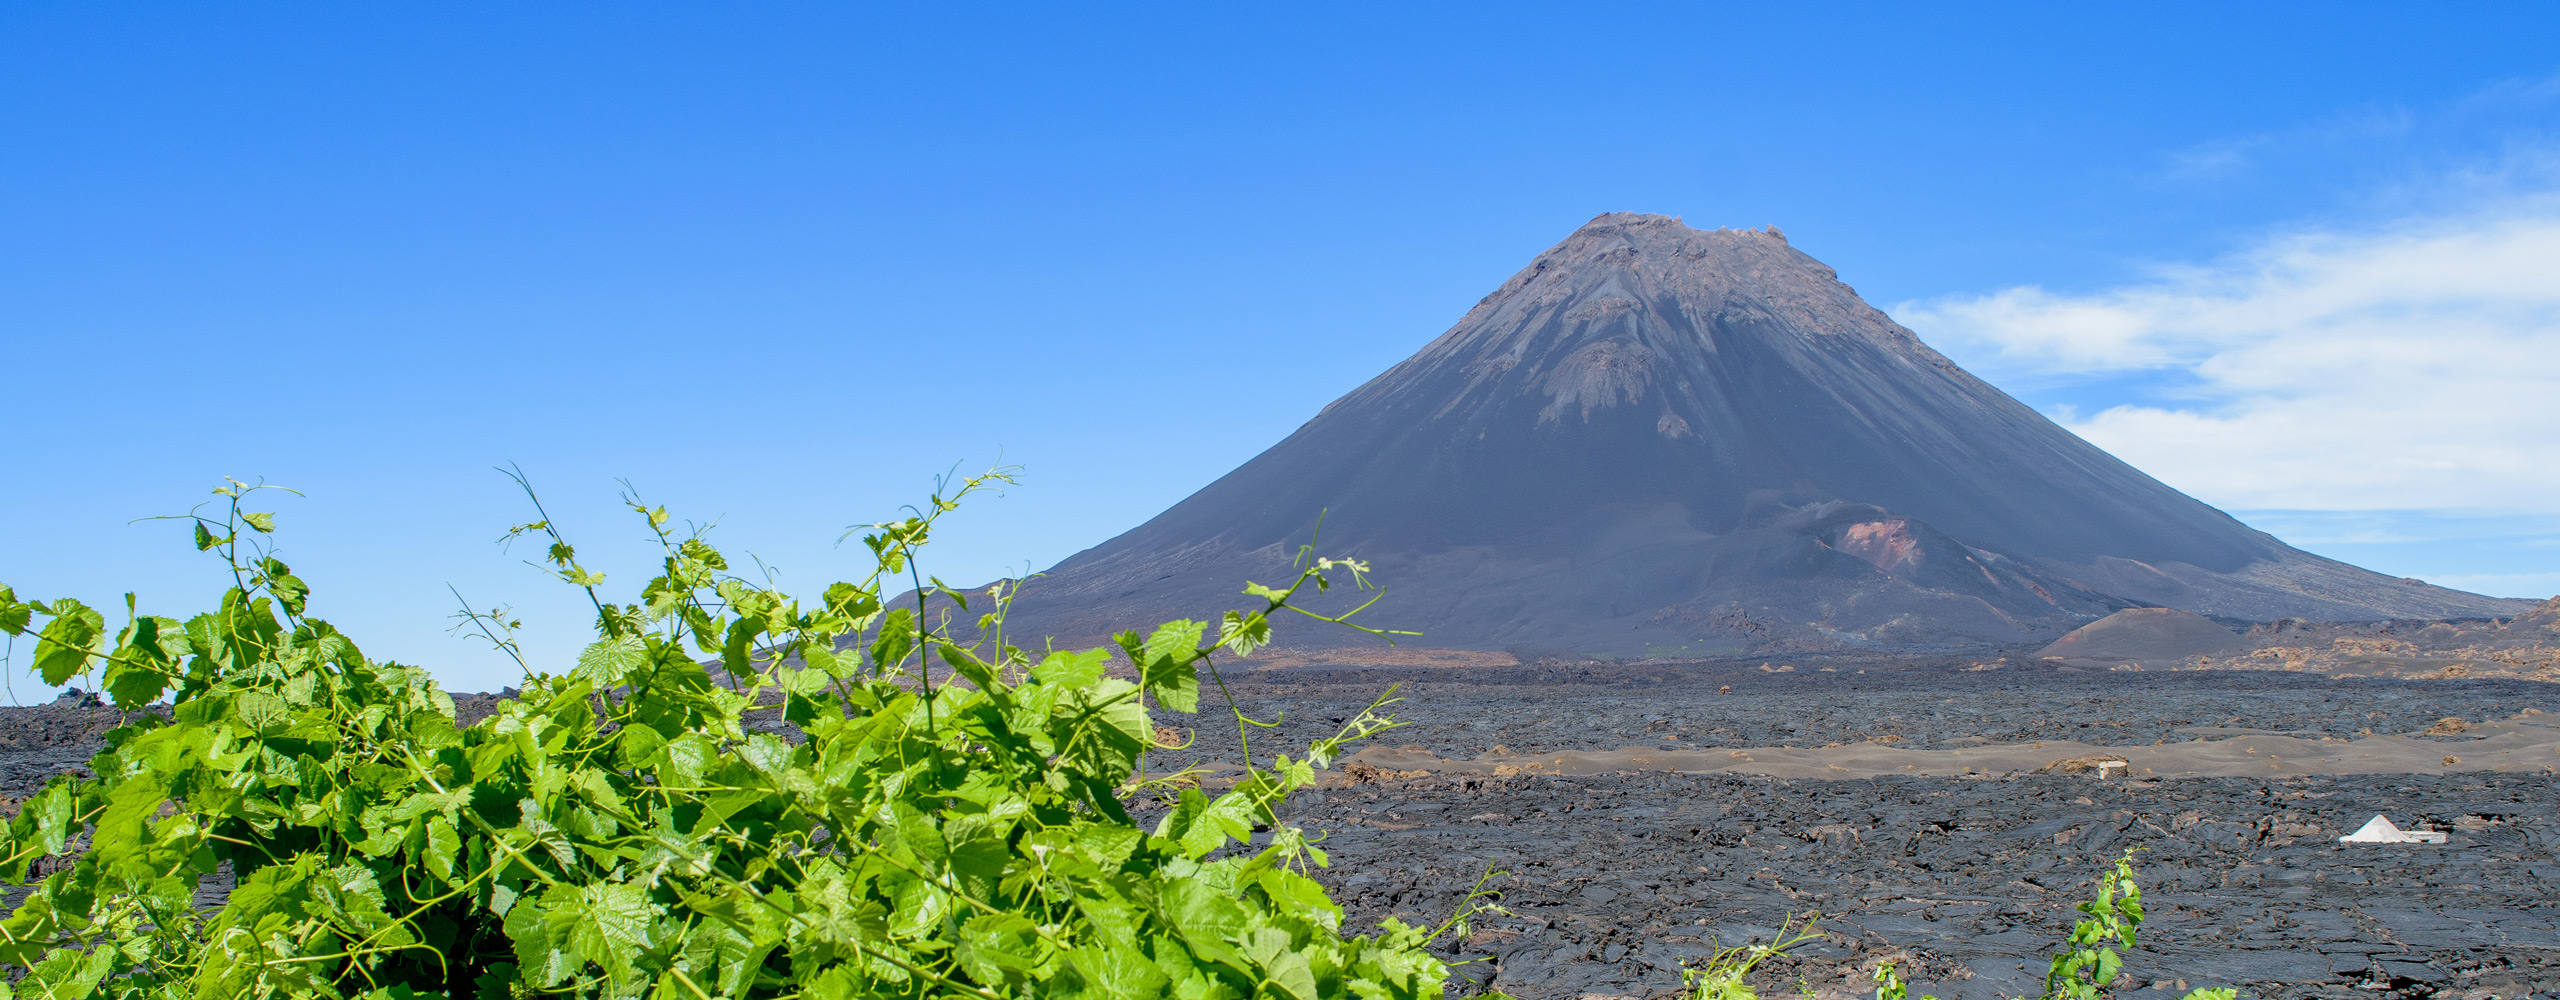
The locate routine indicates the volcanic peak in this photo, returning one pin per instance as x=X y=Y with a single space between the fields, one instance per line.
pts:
x=1659 y=436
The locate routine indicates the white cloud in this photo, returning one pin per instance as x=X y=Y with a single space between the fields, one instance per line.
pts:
x=2416 y=366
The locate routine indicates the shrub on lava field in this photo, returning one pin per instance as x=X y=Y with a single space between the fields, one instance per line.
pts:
x=2088 y=961
x=633 y=825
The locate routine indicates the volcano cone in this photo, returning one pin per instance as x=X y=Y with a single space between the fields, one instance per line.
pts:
x=1659 y=440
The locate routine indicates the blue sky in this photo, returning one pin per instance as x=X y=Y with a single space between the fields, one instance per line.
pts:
x=779 y=265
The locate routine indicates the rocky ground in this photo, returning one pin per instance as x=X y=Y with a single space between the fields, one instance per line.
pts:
x=1530 y=710
x=2526 y=646
x=1613 y=880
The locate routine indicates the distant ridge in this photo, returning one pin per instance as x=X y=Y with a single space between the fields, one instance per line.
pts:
x=1659 y=440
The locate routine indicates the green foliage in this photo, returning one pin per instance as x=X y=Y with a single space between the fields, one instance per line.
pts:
x=1725 y=975
x=2087 y=962
x=732 y=793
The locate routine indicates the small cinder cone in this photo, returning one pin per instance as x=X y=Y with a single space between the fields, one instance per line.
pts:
x=2380 y=830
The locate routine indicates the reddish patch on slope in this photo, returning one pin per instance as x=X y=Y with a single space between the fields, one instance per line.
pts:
x=1889 y=543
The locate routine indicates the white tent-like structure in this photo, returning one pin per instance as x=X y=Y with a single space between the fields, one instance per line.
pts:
x=2380 y=830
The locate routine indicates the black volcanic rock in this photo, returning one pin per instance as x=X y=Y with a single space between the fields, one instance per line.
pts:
x=1658 y=439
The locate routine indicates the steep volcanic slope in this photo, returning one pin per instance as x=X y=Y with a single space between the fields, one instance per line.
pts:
x=1656 y=438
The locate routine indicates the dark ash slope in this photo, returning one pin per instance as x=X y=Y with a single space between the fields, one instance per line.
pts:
x=1662 y=439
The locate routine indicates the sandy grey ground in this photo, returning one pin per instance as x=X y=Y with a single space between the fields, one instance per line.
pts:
x=1529 y=710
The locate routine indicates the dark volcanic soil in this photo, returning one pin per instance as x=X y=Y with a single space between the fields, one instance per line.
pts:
x=38 y=742
x=1534 y=710
x=1614 y=879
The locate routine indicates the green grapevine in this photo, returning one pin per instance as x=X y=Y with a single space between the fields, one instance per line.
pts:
x=732 y=793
